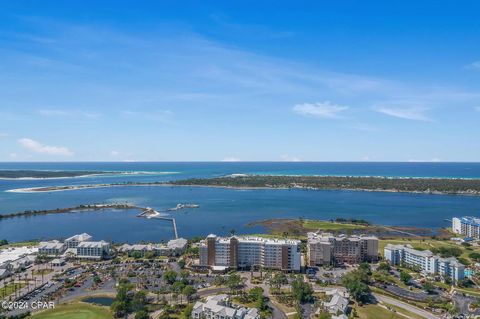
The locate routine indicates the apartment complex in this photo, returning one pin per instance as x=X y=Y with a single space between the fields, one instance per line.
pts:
x=467 y=226
x=327 y=249
x=93 y=249
x=79 y=246
x=219 y=306
x=52 y=248
x=425 y=260
x=72 y=242
x=174 y=247
x=234 y=252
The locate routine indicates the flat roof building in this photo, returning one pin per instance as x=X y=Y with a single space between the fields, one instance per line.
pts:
x=52 y=248
x=93 y=249
x=467 y=226
x=327 y=249
x=72 y=242
x=245 y=252
x=426 y=261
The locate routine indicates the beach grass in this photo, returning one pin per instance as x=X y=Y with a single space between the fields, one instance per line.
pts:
x=77 y=310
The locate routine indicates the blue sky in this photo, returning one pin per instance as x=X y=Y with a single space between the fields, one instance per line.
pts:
x=239 y=80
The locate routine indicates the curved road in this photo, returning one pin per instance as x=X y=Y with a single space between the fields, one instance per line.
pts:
x=406 y=306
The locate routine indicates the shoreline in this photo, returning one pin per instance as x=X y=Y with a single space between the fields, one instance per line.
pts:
x=101 y=174
x=48 y=189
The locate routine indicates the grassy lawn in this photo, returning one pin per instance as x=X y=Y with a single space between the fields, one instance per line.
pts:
x=9 y=288
x=326 y=225
x=77 y=310
x=375 y=311
x=42 y=271
x=404 y=311
x=470 y=291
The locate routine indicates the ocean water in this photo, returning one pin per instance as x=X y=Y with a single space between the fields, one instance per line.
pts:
x=222 y=210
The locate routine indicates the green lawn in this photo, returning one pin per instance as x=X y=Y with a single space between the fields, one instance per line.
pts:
x=375 y=311
x=326 y=225
x=78 y=310
x=9 y=288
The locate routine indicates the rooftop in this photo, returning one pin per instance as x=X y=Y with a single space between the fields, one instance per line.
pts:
x=80 y=237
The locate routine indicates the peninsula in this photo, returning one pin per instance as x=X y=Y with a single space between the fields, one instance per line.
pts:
x=451 y=186
x=40 y=174
x=361 y=183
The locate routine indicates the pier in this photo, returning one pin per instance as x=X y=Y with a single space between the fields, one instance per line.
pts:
x=152 y=213
x=175 y=231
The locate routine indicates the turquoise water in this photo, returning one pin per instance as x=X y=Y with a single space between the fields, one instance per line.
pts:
x=223 y=209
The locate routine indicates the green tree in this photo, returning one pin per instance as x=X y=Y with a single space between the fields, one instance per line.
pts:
x=136 y=255
x=385 y=267
x=187 y=312
x=170 y=276
x=428 y=287
x=188 y=291
x=234 y=281
x=278 y=280
x=142 y=314
x=301 y=290
x=475 y=256
x=405 y=277
x=178 y=286
x=356 y=283
x=139 y=301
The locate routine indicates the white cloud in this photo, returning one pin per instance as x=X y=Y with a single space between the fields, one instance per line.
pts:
x=407 y=113
x=114 y=153
x=68 y=113
x=231 y=159
x=288 y=158
x=434 y=160
x=320 y=109
x=37 y=147
x=475 y=65
x=13 y=155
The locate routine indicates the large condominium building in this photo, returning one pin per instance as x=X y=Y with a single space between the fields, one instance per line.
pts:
x=52 y=248
x=327 y=249
x=425 y=260
x=219 y=306
x=72 y=242
x=93 y=249
x=244 y=252
x=467 y=226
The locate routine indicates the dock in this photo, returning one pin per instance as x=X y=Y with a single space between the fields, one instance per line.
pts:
x=175 y=231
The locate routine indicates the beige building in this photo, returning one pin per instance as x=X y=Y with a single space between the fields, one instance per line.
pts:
x=244 y=252
x=327 y=249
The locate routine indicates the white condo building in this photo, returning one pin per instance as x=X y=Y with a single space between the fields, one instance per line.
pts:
x=52 y=248
x=467 y=226
x=425 y=260
x=174 y=247
x=93 y=249
x=244 y=252
x=72 y=242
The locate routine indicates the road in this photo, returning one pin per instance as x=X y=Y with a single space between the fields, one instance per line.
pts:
x=405 y=306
